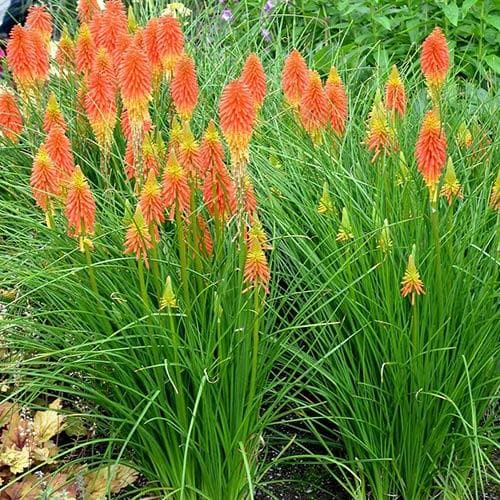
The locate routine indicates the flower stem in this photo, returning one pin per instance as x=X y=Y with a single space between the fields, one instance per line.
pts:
x=95 y=289
x=182 y=256
x=255 y=345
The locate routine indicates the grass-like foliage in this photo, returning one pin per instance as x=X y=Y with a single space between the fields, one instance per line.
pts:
x=181 y=359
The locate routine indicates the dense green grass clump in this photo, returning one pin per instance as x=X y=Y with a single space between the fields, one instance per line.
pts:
x=185 y=394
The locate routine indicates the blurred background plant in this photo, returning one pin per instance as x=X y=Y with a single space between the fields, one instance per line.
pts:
x=372 y=32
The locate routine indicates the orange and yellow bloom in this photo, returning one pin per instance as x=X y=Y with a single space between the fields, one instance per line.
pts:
x=256 y=272
x=53 y=115
x=44 y=180
x=219 y=192
x=80 y=208
x=11 y=120
x=21 y=57
x=86 y=10
x=100 y=100
x=395 y=95
x=412 y=284
x=138 y=239
x=430 y=150
x=254 y=77
x=170 y=42
x=294 y=79
x=59 y=150
x=151 y=201
x=38 y=19
x=84 y=50
x=337 y=97
x=435 y=60
x=175 y=188
x=237 y=118
x=135 y=80
x=380 y=136
x=184 y=87
x=314 y=108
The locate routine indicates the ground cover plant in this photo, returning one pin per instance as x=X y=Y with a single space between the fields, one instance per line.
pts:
x=209 y=246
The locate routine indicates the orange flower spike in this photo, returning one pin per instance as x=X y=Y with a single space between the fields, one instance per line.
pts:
x=175 y=188
x=211 y=155
x=435 y=59
x=430 y=150
x=170 y=42
x=59 y=149
x=38 y=19
x=151 y=201
x=42 y=60
x=314 y=108
x=65 y=55
x=135 y=80
x=113 y=30
x=295 y=77
x=138 y=238
x=184 y=87
x=219 y=192
x=395 y=96
x=237 y=118
x=337 y=96
x=44 y=180
x=11 y=120
x=85 y=50
x=21 y=56
x=53 y=115
x=152 y=50
x=380 y=137
x=86 y=10
x=80 y=207
x=411 y=283
x=256 y=272
x=254 y=77
x=100 y=101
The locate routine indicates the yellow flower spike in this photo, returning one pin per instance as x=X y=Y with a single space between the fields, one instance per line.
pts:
x=325 y=204
x=176 y=9
x=175 y=132
x=380 y=137
x=464 y=136
x=133 y=25
x=495 y=194
x=168 y=299
x=384 y=242
x=411 y=283
x=85 y=244
x=451 y=187
x=257 y=232
x=345 y=229
x=275 y=162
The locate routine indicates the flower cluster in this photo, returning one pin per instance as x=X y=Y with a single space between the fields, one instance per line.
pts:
x=121 y=70
x=320 y=107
